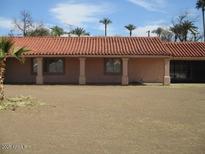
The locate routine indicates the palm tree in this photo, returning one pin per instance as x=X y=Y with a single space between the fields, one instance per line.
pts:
x=201 y=5
x=182 y=27
x=57 y=31
x=79 y=32
x=176 y=31
x=7 y=50
x=181 y=30
x=158 y=31
x=130 y=27
x=188 y=26
x=106 y=22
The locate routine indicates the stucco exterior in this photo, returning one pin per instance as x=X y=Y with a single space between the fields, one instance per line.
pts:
x=70 y=75
x=19 y=73
x=95 y=72
x=139 y=70
x=150 y=70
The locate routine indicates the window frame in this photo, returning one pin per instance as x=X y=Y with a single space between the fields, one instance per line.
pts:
x=112 y=73
x=53 y=73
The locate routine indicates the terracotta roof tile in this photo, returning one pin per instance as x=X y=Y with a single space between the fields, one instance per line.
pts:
x=93 y=46
x=102 y=46
x=186 y=49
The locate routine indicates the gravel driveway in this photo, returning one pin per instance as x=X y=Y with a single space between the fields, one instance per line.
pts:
x=106 y=120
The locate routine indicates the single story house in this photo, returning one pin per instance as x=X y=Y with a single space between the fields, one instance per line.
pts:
x=106 y=60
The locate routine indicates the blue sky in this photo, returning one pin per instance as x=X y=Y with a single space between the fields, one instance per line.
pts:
x=145 y=14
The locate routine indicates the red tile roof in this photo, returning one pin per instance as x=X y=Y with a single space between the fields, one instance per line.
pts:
x=109 y=46
x=94 y=46
x=186 y=49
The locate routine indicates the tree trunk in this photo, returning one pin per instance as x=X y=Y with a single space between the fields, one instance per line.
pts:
x=203 y=22
x=105 y=29
x=2 y=71
x=130 y=33
x=175 y=38
x=185 y=37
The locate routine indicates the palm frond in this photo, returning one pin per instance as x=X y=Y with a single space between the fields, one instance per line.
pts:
x=6 y=44
x=130 y=27
x=18 y=53
x=79 y=31
x=105 y=21
x=2 y=55
x=200 y=4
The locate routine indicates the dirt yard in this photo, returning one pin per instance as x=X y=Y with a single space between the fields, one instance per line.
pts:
x=106 y=120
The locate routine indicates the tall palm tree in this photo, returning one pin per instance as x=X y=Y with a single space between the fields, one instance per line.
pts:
x=106 y=22
x=57 y=31
x=7 y=50
x=201 y=5
x=130 y=27
x=79 y=32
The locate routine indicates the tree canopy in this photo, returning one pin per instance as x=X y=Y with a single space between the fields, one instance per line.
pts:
x=182 y=27
x=130 y=27
x=39 y=31
x=57 y=31
x=79 y=32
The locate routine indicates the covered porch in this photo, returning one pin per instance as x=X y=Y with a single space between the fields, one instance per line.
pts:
x=89 y=70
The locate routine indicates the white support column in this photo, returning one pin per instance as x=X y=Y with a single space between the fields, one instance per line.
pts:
x=39 y=77
x=125 y=79
x=167 y=78
x=82 y=77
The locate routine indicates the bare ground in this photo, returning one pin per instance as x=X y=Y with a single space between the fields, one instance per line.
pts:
x=106 y=120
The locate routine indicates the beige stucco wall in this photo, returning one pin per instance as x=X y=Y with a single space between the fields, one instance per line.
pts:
x=140 y=69
x=95 y=72
x=21 y=73
x=71 y=74
x=146 y=70
x=17 y=72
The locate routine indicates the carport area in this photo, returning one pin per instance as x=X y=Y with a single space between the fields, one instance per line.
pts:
x=187 y=71
x=187 y=63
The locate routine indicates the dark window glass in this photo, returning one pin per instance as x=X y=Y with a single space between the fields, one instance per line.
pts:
x=54 y=65
x=188 y=71
x=113 y=66
x=181 y=70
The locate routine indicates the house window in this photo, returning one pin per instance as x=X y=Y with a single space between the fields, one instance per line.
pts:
x=34 y=65
x=54 y=65
x=113 y=66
